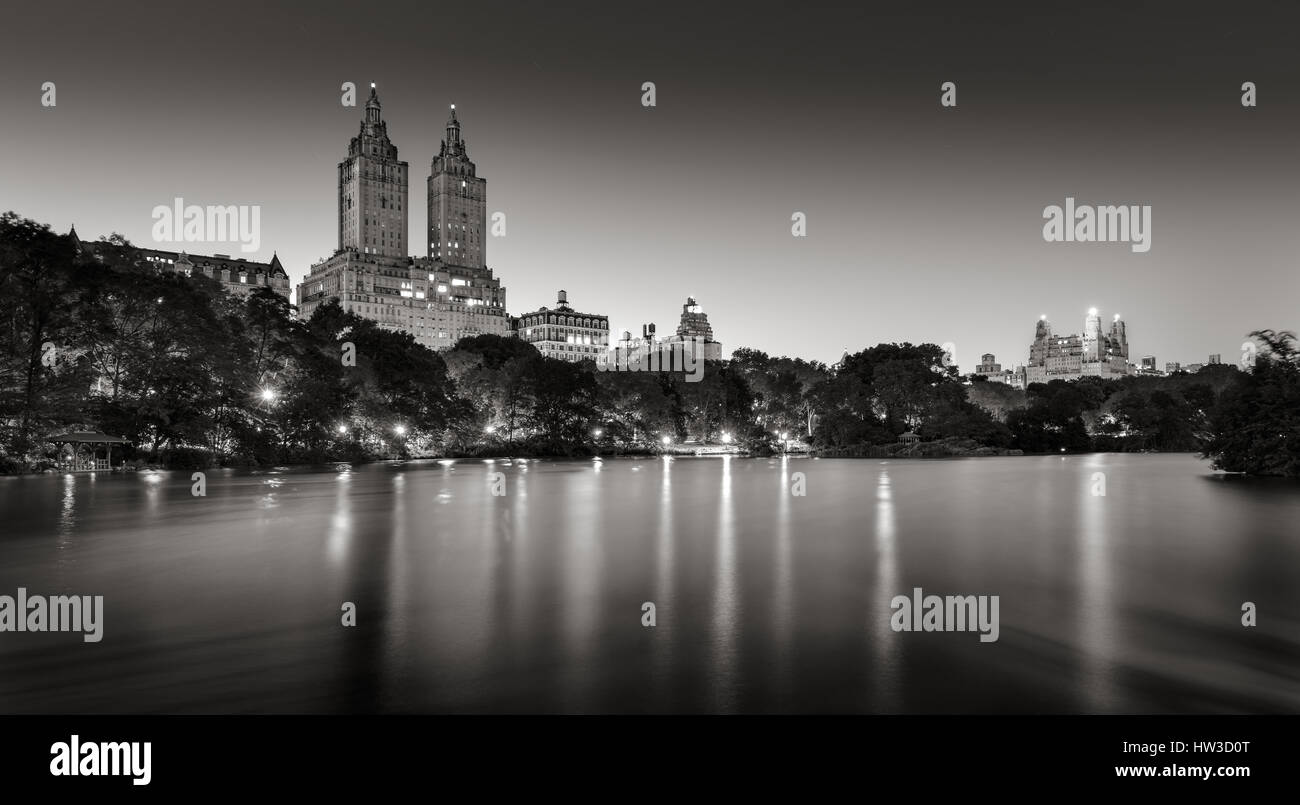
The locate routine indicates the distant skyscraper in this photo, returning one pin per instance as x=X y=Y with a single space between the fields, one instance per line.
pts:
x=373 y=190
x=1070 y=357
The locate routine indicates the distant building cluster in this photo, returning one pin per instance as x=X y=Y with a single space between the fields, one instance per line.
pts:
x=1053 y=356
x=693 y=339
x=451 y=293
x=441 y=298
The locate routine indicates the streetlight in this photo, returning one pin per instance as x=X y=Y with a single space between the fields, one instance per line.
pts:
x=268 y=394
x=343 y=429
x=597 y=432
x=726 y=437
x=665 y=441
x=490 y=429
x=400 y=430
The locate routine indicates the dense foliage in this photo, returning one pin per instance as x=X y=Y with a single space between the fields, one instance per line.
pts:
x=1255 y=428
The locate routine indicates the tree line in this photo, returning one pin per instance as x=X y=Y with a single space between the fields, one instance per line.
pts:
x=192 y=376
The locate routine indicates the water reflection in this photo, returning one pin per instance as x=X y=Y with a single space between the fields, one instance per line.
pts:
x=783 y=585
x=529 y=602
x=1097 y=620
x=726 y=604
x=886 y=644
x=665 y=563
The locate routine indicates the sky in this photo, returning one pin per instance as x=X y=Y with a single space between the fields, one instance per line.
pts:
x=924 y=222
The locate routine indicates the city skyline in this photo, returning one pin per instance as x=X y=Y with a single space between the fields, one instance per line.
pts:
x=924 y=223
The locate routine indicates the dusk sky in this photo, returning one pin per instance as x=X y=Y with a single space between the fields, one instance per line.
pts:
x=924 y=223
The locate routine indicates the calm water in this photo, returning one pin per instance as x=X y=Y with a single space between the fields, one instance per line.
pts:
x=766 y=602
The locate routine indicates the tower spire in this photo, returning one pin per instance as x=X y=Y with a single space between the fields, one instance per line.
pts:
x=453 y=131
x=372 y=106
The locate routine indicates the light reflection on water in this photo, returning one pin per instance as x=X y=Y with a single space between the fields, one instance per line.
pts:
x=765 y=601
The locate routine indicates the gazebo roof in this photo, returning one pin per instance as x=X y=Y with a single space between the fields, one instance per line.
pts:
x=86 y=437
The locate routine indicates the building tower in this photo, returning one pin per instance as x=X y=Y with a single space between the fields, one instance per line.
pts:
x=695 y=333
x=373 y=190
x=457 y=203
x=1118 y=338
x=1092 y=336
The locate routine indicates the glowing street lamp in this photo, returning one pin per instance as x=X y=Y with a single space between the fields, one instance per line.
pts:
x=726 y=437
x=597 y=432
x=400 y=430
x=343 y=429
x=490 y=429
x=268 y=394
x=665 y=440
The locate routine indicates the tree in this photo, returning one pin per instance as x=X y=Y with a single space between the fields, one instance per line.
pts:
x=1255 y=428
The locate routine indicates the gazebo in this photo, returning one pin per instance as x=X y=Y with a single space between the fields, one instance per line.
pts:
x=909 y=438
x=85 y=450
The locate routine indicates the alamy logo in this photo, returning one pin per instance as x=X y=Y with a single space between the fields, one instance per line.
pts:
x=121 y=759
x=211 y=224
x=952 y=613
x=1108 y=224
x=58 y=613
x=685 y=356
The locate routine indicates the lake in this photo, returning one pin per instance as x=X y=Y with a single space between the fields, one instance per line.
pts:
x=764 y=601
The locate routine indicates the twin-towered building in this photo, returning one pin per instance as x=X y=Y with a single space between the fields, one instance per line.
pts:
x=1070 y=357
x=439 y=299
